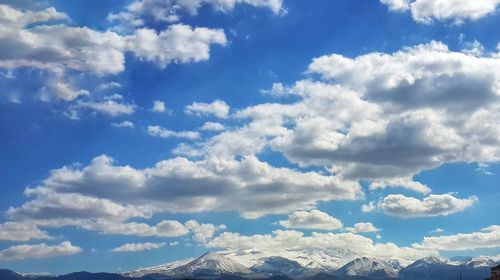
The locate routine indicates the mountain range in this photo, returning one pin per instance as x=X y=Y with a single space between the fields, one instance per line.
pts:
x=224 y=266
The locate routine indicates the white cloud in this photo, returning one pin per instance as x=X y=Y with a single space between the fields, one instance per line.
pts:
x=38 y=251
x=31 y=39
x=137 y=247
x=203 y=232
x=217 y=108
x=366 y=208
x=455 y=11
x=437 y=230
x=406 y=183
x=313 y=219
x=179 y=43
x=158 y=106
x=107 y=107
x=397 y=5
x=124 y=124
x=19 y=231
x=431 y=206
x=166 y=133
x=108 y=86
x=426 y=11
x=488 y=238
x=363 y=227
x=135 y=14
x=249 y=186
x=212 y=126
x=295 y=241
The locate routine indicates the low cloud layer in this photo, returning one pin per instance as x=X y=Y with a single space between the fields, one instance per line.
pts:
x=313 y=219
x=38 y=251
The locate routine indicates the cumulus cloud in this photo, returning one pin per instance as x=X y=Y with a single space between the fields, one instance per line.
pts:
x=217 y=108
x=158 y=106
x=212 y=126
x=31 y=39
x=159 y=131
x=455 y=11
x=487 y=238
x=400 y=182
x=431 y=206
x=38 y=251
x=363 y=227
x=397 y=5
x=19 y=231
x=249 y=186
x=313 y=219
x=136 y=13
x=137 y=247
x=295 y=241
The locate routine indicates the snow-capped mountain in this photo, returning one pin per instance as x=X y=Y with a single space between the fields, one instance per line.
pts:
x=307 y=265
x=210 y=264
x=278 y=266
x=163 y=269
x=371 y=267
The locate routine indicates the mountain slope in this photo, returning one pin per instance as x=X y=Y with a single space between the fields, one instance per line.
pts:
x=371 y=267
x=278 y=266
x=209 y=264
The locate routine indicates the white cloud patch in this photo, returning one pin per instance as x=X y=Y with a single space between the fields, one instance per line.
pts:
x=406 y=183
x=455 y=11
x=137 y=247
x=487 y=238
x=369 y=207
x=431 y=206
x=108 y=107
x=289 y=241
x=212 y=126
x=32 y=39
x=158 y=106
x=136 y=13
x=159 y=131
x=313 y=219
x=124 y=124
x=117 y=193
x=38 y=251
x=217 y=108
x=18 y=231
x=396 y=5
x=363 y=227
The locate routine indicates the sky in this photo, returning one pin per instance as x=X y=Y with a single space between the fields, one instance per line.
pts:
x=140 y=132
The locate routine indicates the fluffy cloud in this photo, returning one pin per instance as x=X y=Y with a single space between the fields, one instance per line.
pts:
x=31 y=39
x=249 y=186
x=387 y=117
x=295 y=241
x=108 y=107
x=212 y=126
x=15 y=231
x=136 y=247
x=363 y=227
x=488 y=238
x=166 y=133
x=400 y=182
x=396 y=5
x=217 y=108
x=179 y=43
x=169 y=11
x=431 y=206
x=456 y=11
x=158 y=106
x=38 y=251
x=313 y=219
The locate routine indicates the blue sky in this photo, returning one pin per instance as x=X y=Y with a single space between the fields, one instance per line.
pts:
x=273 y=119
